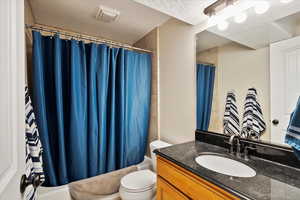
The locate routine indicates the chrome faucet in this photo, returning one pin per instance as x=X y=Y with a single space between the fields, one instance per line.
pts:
x=246 y=152
x=238 y=144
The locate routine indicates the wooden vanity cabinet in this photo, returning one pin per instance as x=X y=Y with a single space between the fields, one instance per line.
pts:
x=166 y=191
x=176 y=183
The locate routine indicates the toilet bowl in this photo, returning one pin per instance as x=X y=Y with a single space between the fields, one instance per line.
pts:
x=141 y=185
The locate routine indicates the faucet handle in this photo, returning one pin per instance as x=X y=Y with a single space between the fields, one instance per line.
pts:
x=232 y=137
x=238 y=149
x=246 y=151
x=247 y=148
x=230 y=150
x=226 y=142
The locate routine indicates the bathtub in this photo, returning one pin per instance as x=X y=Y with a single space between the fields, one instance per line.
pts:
x=62 y=192
x=50 y=193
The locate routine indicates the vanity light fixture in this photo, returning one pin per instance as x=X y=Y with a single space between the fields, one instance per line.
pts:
x=261 y=7
x=286 y=1
x=231 y=7
x=218 y=6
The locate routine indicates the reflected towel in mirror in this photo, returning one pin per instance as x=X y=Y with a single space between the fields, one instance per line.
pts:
x=231 y=122
x=253 y=122
x=293 y=131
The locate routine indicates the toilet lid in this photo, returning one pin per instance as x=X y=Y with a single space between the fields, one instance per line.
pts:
x=139 y=180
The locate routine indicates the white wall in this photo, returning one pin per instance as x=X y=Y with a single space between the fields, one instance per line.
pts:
x=177 y=96
x=240 y=68
x=150 y=42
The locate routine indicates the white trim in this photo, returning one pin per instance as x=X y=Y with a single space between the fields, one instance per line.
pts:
x=14 y=27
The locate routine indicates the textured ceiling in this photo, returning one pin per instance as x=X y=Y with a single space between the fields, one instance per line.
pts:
x=189 y=11
x=134 y=22
x=207 y=40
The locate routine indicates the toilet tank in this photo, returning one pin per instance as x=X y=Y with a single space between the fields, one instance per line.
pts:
x=157 y=144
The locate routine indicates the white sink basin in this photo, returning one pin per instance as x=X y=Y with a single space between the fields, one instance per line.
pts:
x=225 y=165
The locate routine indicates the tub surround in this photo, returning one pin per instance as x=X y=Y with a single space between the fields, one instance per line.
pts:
x=99 y=186
x=276 y=179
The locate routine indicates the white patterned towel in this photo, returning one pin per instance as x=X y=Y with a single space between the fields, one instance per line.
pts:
x=231 y=122
x=34 y=162
x=253 y=122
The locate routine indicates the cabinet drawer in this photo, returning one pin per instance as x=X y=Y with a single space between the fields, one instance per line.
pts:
x=166 y=191
x=190 y=184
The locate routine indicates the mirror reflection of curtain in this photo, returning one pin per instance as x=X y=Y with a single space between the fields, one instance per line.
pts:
x=205 y=88
x=92 y=104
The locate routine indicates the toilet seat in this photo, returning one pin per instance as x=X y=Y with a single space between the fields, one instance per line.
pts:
x=141 y=185
x=138 y=181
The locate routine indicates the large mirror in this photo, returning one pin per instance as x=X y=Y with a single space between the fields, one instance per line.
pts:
x=248 y=74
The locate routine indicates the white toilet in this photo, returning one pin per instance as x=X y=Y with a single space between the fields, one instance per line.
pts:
x=141 y=185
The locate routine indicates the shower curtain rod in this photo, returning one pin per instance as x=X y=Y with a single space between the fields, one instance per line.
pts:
x=206 y=63
x=83 y=37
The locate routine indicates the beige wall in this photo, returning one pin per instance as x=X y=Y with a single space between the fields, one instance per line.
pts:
x=150 y=41
x=29 y=18
x=208 y=56
x=239 y=68
x=177 y=94
x=176 y=89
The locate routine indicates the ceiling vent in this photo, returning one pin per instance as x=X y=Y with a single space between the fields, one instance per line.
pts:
x=107 y=15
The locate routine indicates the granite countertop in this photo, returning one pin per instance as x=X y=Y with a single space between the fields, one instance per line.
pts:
x=272 y=182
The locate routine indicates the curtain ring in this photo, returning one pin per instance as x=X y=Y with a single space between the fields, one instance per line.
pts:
x=77 y=39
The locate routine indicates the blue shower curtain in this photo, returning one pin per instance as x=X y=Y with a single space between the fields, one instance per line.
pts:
x=205 y=88
x=92 y=104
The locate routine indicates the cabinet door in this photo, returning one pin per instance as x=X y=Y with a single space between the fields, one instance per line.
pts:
x=167 y=192
x=217 y=197
x=189 y=184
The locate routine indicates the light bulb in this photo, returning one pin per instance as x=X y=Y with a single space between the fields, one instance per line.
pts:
x=223 y=25
x=261 y=7
x=240 y=17
x=286 y=1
